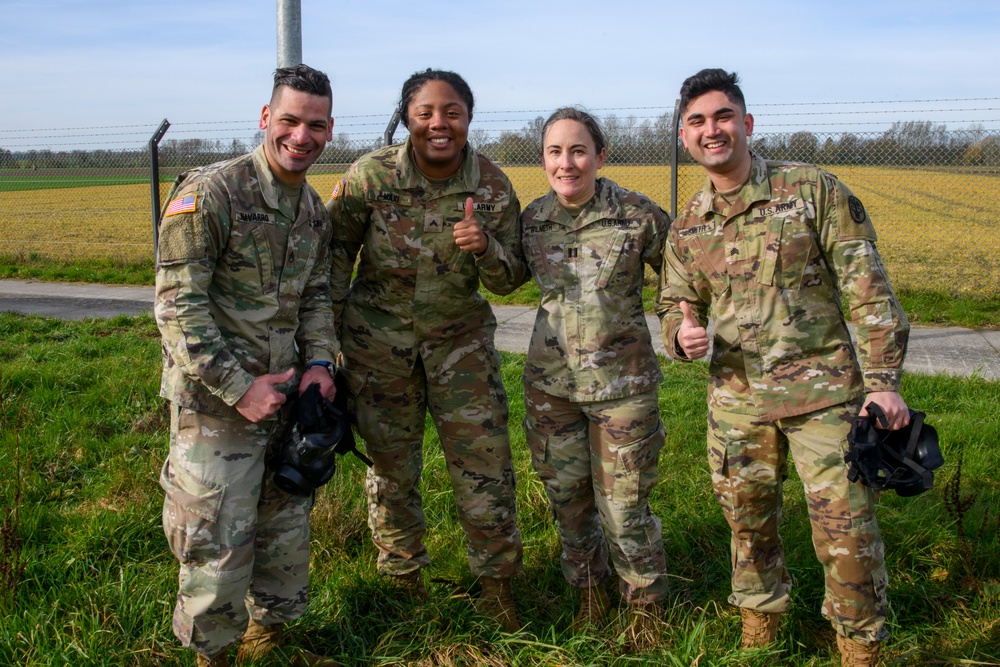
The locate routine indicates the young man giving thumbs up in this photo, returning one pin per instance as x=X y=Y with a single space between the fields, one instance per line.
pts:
x=768 y=249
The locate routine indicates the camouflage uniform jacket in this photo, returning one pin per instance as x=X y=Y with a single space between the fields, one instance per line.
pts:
x=591 y=341
x=416 y=293
x=773 y=266
x=242 y=283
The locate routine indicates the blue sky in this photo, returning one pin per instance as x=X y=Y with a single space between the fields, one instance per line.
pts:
x=70 y=64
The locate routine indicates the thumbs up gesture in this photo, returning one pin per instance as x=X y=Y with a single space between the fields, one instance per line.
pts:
x=469 y=234
x=691 y=336
x=262 y=399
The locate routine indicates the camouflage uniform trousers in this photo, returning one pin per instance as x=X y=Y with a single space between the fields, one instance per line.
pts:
x=469 y=407
x=749 y=462
x=242 y=543
x=598 y=463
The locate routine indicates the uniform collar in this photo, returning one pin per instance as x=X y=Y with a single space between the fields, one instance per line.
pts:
x=409 y=177
x=269 y=187
x=758 y=188
x=606 y=204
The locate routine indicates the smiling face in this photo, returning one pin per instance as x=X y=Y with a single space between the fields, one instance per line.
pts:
x=438 y=121
x=715 y=132
x=571 y=161
x=296 y=127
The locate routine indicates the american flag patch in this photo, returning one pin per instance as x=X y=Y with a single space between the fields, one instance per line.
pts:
x=185 y=204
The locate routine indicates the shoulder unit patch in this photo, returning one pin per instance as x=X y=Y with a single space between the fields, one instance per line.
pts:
x=856 y=208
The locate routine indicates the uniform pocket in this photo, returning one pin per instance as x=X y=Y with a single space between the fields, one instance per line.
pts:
x=635 y=469
x=613 y=273
x=538 y=445
x=190 y=514
x=539 y=264
x=788 y=250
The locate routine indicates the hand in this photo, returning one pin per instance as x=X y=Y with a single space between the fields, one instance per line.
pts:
x=896 y=411
x=469 y=234
x=691 y=336
x=262 y=400
x=321 y=376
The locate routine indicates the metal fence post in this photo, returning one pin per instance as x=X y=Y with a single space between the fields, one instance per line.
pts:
x=154 y=179
x=390 y=129
x=673 y=158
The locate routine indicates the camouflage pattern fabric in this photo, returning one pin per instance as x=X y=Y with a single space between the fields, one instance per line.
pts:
x=416 y=293
x=591 y=341
x=469 y=409
x=417 y=336
x=773 y=266
x=598 y=462
x=772 y=263
x=242 y=543
x=241 y=280
x=749 y=462
x=242 y=289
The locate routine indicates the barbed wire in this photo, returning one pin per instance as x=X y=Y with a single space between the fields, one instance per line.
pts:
x=665 y=109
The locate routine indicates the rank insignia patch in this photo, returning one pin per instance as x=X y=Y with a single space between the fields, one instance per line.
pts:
x=857 y=209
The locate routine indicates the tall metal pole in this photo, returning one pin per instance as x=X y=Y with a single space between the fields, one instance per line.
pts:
x=289 y=33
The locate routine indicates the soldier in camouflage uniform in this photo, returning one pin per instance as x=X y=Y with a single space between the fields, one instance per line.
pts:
x=770 y=248
x=243 y=306
x=431 y=219
x=591 y=377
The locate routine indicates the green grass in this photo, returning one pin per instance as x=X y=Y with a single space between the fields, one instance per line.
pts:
x=18 y=181
x=83 y=434
x=106 y=271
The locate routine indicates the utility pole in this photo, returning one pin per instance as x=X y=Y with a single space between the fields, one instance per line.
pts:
x=289 y=33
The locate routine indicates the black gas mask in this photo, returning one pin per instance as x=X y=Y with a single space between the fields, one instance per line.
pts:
x=903 y=460
x=306 y=458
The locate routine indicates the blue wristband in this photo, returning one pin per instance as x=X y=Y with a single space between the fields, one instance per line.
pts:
x=325 y=364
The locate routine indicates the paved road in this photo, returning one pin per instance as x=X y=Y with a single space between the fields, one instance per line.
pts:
x=952 y=350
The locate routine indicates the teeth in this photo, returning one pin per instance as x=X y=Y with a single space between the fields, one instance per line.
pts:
x=296 y=151
x=714 y=144
x=440 y=142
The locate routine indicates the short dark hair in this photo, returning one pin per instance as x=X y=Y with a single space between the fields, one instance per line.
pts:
x=304 y=79
x=417 y=81
x=582 y=117
x=708 y=80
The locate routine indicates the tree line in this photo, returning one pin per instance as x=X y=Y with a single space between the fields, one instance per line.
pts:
x=630 y=141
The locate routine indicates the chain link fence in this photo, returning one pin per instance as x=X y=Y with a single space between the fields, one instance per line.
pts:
x=84 y=193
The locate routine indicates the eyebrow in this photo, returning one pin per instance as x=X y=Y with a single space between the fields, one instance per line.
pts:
x=720 y=110
x=447 y=106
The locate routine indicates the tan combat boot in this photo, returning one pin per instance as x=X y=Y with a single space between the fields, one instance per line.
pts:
x=260 y=640
x=760 y=628
x=854 y=654
x=221 y=660
x=594 y=607
x=497 y=601
x=412 y=584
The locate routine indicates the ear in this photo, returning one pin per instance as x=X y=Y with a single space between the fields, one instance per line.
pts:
x=265 y=115
x=601 y=156
x=329 y=133
x=683 y=136
x=748 y=123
